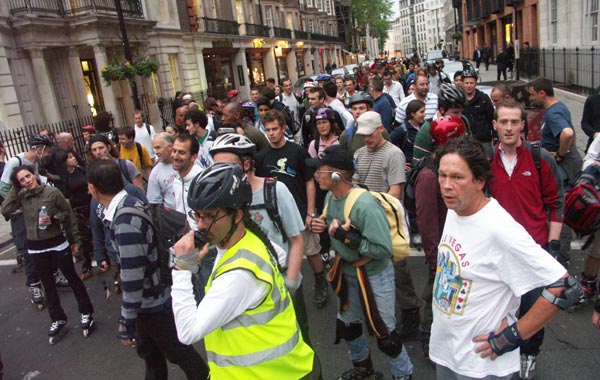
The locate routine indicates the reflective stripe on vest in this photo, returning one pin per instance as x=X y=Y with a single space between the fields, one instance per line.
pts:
x=254 y=358
x=267 y=315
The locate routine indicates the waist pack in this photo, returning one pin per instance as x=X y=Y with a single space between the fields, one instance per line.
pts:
x=582 y=202
x=394 y=214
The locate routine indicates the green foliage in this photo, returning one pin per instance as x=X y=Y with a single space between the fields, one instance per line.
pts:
x=376 y=14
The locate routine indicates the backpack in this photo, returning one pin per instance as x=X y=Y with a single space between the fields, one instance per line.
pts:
x=270 y=205
x=138 y=147
x=394 y=213
x=582 y=202
x=162 y=264
x=287 y=114
x=410 y=199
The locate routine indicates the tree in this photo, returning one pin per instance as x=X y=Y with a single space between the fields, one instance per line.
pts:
x=376 y=14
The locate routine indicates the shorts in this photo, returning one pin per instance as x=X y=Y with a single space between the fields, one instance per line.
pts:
x=594 y=250
x=312 y=245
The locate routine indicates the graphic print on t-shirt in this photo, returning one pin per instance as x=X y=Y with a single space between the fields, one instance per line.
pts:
x=282 y=168
x=450 y=290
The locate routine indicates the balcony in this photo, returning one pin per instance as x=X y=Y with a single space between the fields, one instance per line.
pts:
x=212 y=25
x=300 y=35
x=282 y=33
x=130 y=8
x=324 y=38
x=257 y=30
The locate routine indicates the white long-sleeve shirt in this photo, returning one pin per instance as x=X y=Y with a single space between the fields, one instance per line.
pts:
x=593 y=153
x=229 y=296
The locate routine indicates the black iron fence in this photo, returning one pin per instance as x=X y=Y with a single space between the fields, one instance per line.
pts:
x=15 y=140
x=212 y=25
x=576 y=70
x=167 y=109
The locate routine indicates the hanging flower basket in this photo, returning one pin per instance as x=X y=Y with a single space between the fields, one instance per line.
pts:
x=145 y=67
x=117 y=71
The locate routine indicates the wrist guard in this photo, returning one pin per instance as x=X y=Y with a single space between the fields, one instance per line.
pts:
x=506 y=341
x=126 y=329
x=350 y=238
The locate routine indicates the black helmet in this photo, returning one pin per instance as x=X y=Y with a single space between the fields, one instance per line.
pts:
x=361 y=97
x=470 y=74
x=220 y=186
x=451 y=97
x=39 y=140
x=233 y=143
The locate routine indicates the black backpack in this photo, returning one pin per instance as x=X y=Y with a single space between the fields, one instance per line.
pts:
x=270 y=205
x=410 y=200
x=287 y=114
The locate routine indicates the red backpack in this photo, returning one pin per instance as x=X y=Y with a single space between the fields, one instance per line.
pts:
x=582 y=202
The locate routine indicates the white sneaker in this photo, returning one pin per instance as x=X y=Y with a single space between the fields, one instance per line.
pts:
x=528 y=363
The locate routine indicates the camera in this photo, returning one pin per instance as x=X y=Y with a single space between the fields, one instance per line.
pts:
x=200 y=239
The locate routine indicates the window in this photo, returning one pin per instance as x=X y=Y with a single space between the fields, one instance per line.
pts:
x=309 y=3
x=269 y=16
x=594 y=5
x=328 y=6
x=319 y=4
x=554 y=21
x=311 y=25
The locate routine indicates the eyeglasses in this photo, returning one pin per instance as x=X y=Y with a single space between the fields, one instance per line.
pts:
x=206 y=219
x=513 y=122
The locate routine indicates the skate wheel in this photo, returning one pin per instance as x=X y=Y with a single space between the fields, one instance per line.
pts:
x=40 y=307
x=86 y=333
x=52 y=340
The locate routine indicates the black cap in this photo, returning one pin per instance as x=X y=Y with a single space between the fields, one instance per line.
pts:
x=336 y=156
x=99 y=138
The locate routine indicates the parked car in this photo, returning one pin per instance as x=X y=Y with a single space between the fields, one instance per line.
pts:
x=340 y=71
x=452 y=67
x=299 y=85
x=434 y=55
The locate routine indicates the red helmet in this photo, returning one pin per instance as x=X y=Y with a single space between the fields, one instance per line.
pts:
x=88 y=128
x=446 y=128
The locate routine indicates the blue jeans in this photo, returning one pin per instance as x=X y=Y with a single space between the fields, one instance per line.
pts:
x=384 y=291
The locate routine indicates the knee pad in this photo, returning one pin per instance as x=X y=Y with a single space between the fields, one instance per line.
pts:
x=347 y=331
x=391 y=345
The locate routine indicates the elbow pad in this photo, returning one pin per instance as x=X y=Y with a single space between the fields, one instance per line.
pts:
x=350 y=238
x=568 y=297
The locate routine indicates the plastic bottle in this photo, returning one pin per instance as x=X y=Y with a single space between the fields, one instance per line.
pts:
x=43 y=213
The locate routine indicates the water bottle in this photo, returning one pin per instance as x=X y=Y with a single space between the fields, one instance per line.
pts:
x=43 y=213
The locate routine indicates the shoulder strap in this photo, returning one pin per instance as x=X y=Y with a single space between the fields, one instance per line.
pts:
x=20 y=161
x=349 y=133
x=148 y=129
x=124 y=170
x=138 y=146
x=351 y=200
x=270 y=205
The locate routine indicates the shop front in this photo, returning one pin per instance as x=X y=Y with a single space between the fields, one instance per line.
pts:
x=219 y=70
x=256 y=67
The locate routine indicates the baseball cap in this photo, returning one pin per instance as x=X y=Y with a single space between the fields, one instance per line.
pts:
x=232 y=93
x=367 y=123
x=336 y=156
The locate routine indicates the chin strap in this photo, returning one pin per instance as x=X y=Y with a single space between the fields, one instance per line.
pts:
x=232 y=229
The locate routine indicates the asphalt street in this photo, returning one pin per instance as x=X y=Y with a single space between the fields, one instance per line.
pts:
x=570 y=351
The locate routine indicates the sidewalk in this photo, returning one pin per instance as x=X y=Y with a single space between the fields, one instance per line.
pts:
x=5 y=236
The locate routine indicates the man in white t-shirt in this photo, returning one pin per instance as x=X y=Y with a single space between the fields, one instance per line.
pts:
x=486 y=261
x=144 y=133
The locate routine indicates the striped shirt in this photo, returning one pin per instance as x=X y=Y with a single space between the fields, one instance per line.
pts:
x=381 y=168
x=431 y=107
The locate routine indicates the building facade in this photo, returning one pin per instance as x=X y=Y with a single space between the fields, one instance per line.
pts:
x=491 y=22
x=52 y=52
x=569 y=24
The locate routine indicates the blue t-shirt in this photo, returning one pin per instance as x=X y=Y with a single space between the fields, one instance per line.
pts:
x=556 y=118
x=383 y=107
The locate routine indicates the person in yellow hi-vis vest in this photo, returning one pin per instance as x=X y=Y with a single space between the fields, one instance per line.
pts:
x=246 y=317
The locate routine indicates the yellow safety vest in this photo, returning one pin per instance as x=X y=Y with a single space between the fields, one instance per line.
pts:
x=264 y=342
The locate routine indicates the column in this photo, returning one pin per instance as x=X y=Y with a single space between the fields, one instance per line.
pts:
x=201 y=70
x=292 y=65
x=270 y=65
x=44 y=87
x=110 y=100
x=308 y=62
x=10 y=112
x=240 y=60
x=77 y=87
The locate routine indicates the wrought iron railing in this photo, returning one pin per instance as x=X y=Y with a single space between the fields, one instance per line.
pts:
x=282 y=33
x=212 y=25
x=257 y=30
x=131 y=8
x=301 y=35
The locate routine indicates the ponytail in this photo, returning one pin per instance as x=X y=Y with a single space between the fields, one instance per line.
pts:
x=256 y=230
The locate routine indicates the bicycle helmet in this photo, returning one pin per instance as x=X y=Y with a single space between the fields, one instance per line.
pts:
x=450 y=96
x=361 y=98
x=233 y=143
x=470 y=74
x=220 y=186
x=39 y=140
x=309 y=84
x=446 y=128
x=325 y=114
x=249 y=105
x=88 y=128
x=323 y=77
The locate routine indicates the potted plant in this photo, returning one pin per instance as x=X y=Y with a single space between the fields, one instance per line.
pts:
x=145 y=67
x=117 y=71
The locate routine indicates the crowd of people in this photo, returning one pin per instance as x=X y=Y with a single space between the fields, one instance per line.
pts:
x=204 y=226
